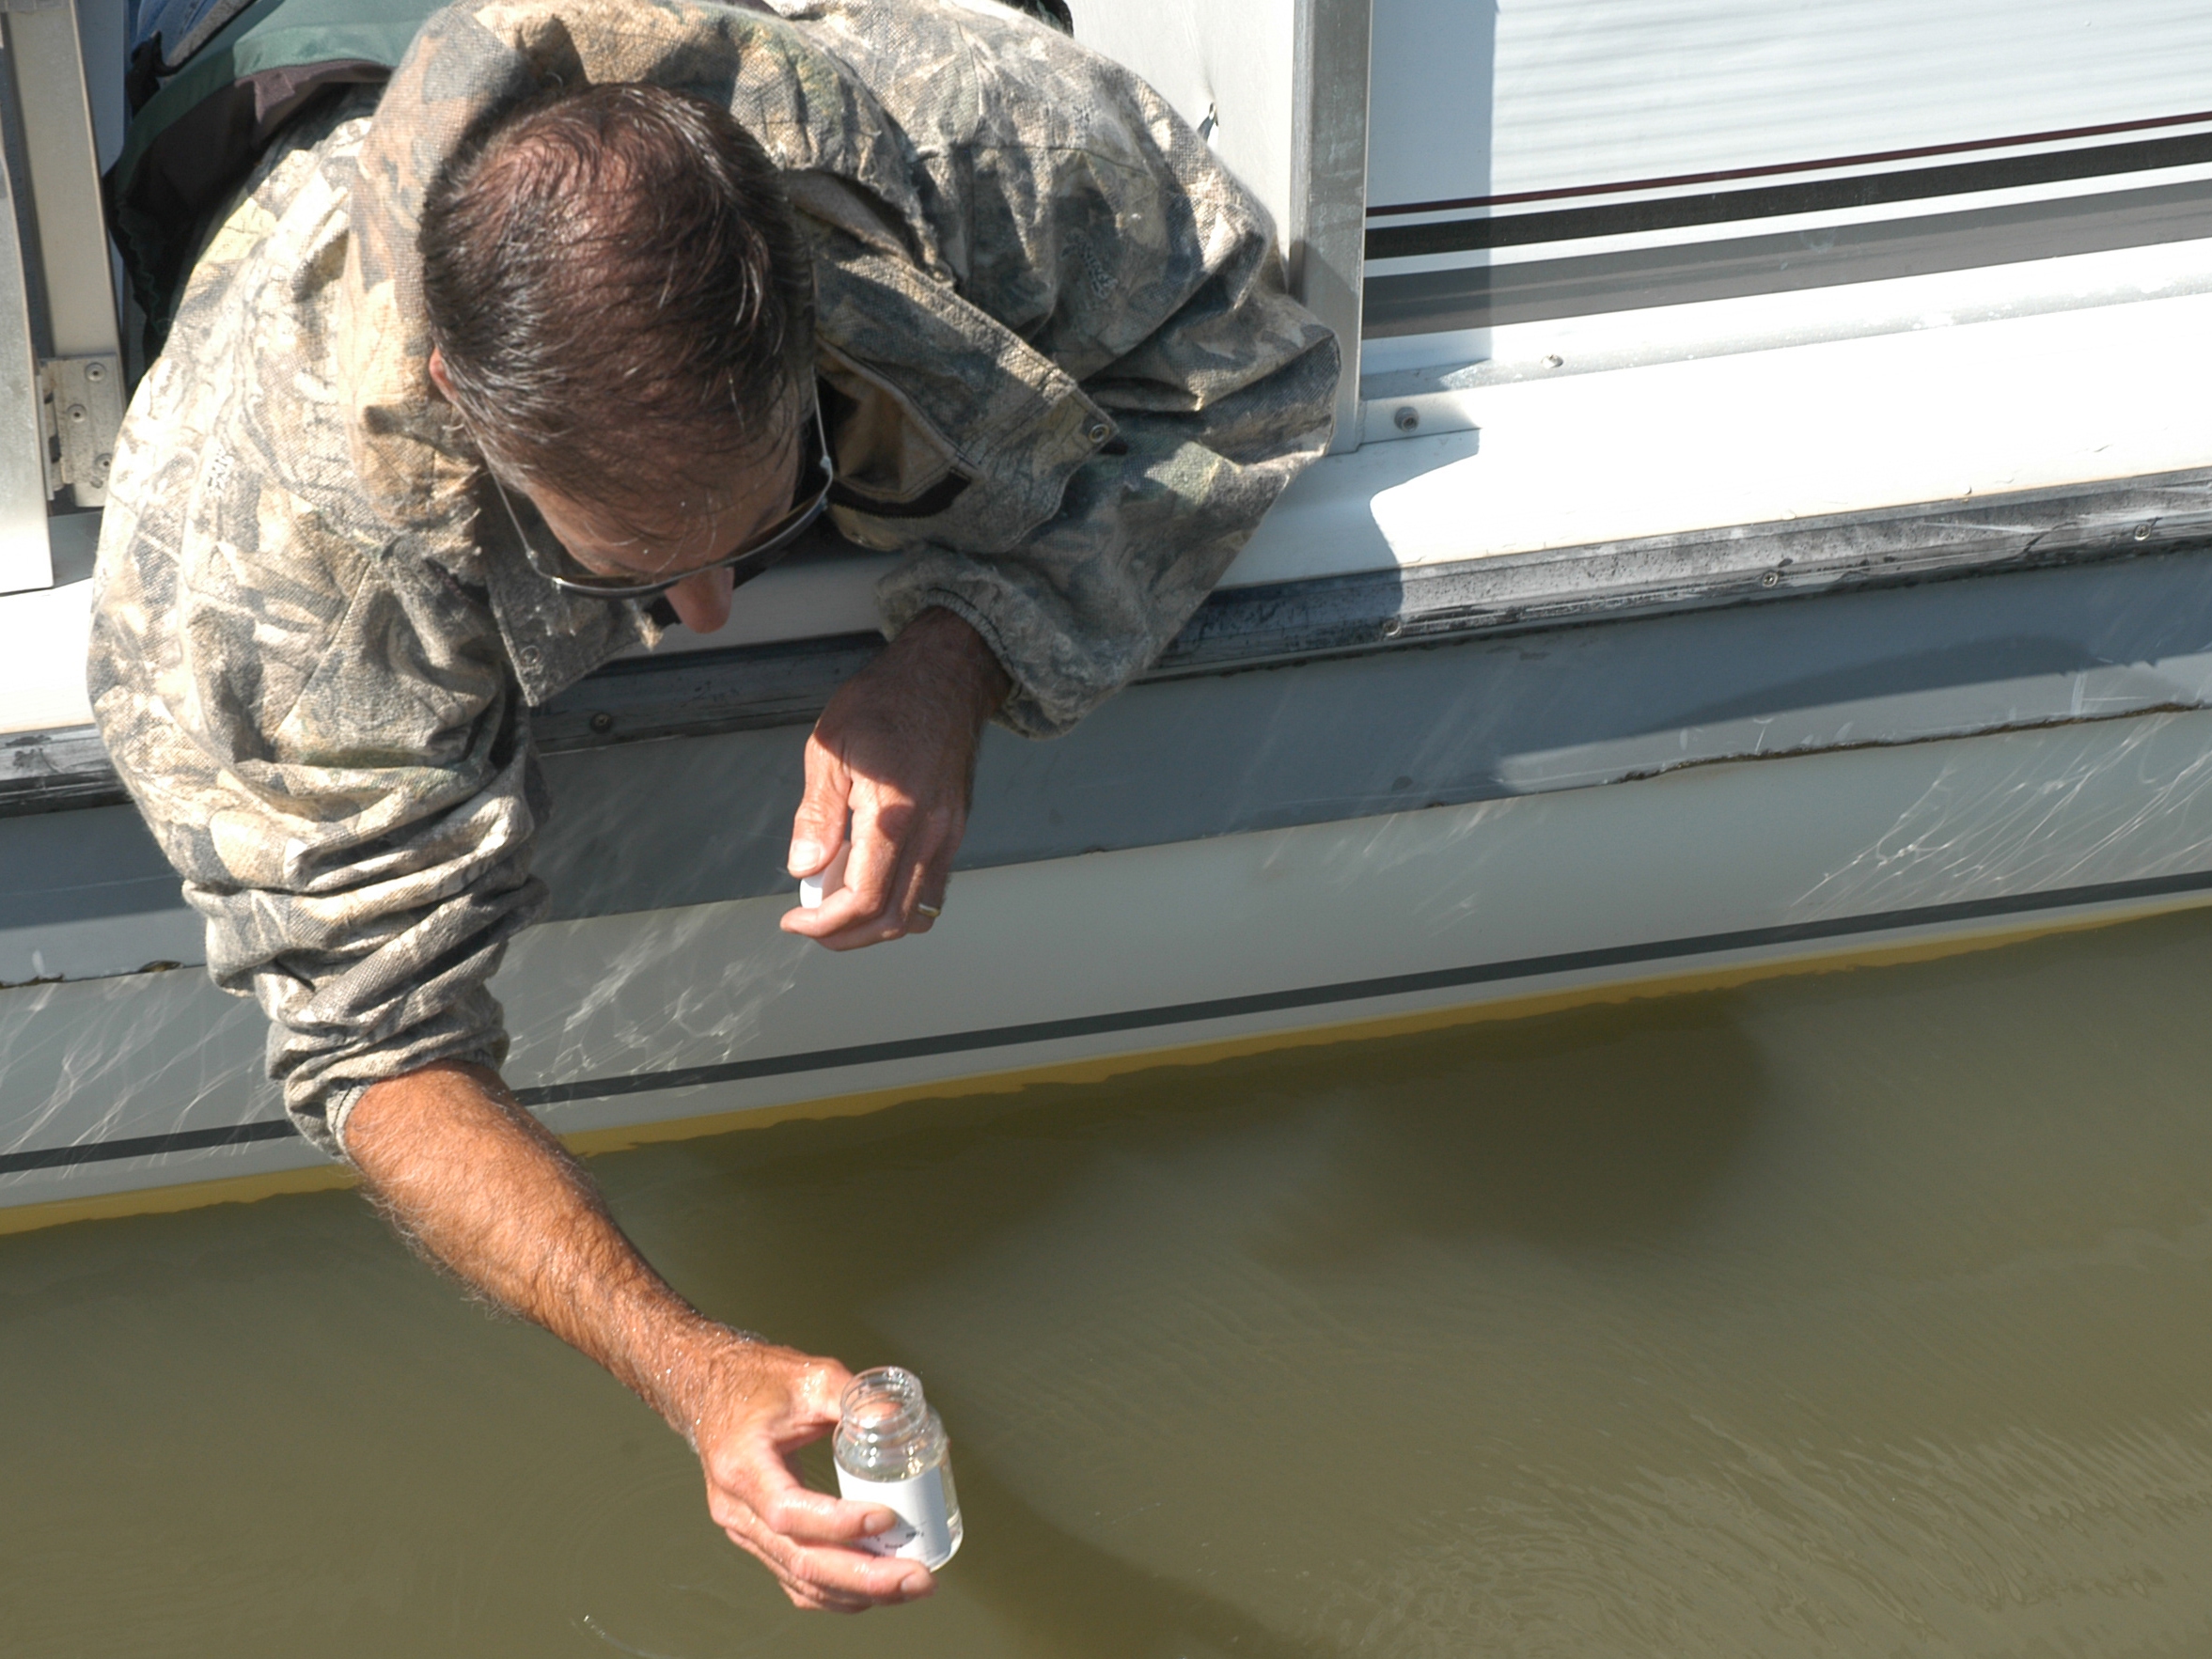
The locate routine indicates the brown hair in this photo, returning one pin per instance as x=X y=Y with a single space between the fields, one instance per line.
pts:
x=621 y=298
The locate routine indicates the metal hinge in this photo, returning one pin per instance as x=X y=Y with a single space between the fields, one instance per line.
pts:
x=81 y=410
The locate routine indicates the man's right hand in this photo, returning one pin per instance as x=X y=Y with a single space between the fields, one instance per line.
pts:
x=479 y=1184
x=758 y=1405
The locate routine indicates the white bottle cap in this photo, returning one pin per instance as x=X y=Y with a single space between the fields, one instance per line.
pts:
x=813 y=890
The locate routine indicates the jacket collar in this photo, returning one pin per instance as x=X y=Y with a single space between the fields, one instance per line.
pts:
x=553 y=638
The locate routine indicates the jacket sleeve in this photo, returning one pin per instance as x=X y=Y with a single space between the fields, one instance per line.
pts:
x=1145 y=530
x=319 y=727
x=338 y=767
x=1114 y=245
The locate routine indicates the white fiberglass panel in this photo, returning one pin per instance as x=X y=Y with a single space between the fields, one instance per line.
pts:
x=1232 y=59
x=1559 y=459
x=1486 y=98
x=1141 y=951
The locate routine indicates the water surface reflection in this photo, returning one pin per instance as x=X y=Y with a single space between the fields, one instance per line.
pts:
x=1850 y=1313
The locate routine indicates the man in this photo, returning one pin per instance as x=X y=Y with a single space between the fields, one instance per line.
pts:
x=601 y=304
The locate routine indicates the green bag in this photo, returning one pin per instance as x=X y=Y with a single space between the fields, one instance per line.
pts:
x=195 y=136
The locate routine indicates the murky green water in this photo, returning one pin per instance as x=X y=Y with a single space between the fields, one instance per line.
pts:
x=1869 y=1313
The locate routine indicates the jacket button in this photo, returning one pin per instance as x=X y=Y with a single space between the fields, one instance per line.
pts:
x=1097 y=431
x=530 y=656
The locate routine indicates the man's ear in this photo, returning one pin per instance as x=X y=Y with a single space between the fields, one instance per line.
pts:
x=438 y=375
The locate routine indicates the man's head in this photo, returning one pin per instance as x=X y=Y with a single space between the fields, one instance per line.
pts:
x=622 y=309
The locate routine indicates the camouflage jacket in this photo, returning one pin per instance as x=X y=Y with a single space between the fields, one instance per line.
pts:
x=1073 y=385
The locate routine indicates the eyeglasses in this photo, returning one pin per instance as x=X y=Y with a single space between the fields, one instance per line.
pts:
x=748 y=562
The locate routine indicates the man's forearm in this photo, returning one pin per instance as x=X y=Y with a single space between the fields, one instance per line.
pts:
x=478 y=1183
x=482 y=1186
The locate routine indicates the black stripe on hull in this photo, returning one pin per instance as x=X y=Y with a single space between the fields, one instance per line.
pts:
x=147 y=1146
x=1352 y=991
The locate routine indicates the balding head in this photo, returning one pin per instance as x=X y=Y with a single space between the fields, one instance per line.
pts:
x=620 y=297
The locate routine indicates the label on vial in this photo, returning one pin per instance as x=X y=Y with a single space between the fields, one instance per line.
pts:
x=919 y=1501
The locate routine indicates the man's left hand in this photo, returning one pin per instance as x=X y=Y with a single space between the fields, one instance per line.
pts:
x=896 y=748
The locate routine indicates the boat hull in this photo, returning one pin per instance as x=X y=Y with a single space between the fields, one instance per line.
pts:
x=692 y=1019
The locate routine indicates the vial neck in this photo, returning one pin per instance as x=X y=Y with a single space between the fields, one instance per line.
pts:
x=884 y=1408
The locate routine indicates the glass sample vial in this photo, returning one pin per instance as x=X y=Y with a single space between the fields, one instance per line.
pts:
x=891 y=1451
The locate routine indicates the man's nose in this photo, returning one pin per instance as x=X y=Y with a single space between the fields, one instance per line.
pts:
x=701 y=602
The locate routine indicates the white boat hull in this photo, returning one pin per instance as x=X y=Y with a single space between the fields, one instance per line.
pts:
x=656 y=1023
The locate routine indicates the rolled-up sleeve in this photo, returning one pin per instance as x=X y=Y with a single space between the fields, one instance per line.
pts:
x=371 y=960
